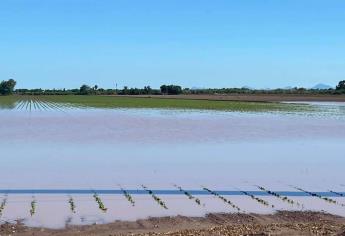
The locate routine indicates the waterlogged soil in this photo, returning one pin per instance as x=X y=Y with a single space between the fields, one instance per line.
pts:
x=95 y=149
x=280 y=223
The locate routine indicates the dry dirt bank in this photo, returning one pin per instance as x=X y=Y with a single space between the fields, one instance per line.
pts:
x=281 y=223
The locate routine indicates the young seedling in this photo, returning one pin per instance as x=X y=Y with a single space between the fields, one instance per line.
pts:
x=33 y=207
x=128 y=197
x=20 y=105
x=3 y=205
x=222 y=198
x=190 y=196
x=259 y=200
x=72 y=205
x=329 y=200
x=283 y=198
x=336 y=193
x=99 y=202
x=157 y=199
x=27 y=105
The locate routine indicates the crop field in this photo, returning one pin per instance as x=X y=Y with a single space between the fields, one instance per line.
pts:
x=228 y=197
x=91 y=160
x=54 y=102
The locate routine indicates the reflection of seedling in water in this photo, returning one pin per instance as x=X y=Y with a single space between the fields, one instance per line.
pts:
x=329 y=200
x=283 y=198
x=128 y=197
x=2 y=206
x=99 y=202
x=33 y=207
x=157 y=199
x=259 y=200
x=71 y=204
x=190 y=196
x=222 y=198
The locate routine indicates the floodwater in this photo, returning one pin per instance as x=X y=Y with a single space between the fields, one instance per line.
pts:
x=94 y=150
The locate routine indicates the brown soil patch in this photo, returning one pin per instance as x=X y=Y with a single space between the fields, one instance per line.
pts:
x=281 y=223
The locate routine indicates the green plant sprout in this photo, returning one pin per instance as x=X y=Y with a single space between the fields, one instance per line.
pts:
x=283 y=198
x=329 y=200
x=99 y=202
x=3 y=205
x=157 y=199
x=222 y=198
x=259 y=200
x=128 y=197
x=336 y=193
x=190 y=196
x=72 y=205
x=33 y=207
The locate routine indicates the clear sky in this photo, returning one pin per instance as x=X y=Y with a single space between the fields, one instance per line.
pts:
x=201 y=43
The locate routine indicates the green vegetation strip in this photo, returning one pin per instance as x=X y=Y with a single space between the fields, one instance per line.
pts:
x=3 y=205
x=128 y=197
x=66 y=101
x=259 y=200
x=336 y=193
x=157 y=199
x=190 y=196
x=222 y=198
x=283 y=198
x=72 y=205
x=329 y=200
x=99 y=202
x=33 y=207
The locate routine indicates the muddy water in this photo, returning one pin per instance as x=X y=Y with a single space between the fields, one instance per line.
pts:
x=93 y=149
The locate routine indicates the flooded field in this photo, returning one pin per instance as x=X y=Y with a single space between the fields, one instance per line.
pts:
x=92 y=165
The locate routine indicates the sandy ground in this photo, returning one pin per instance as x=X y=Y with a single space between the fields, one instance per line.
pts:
x=254 y=97
x=281 y=223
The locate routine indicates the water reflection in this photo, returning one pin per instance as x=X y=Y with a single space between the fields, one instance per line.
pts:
x=93 y=150
x=8 y=105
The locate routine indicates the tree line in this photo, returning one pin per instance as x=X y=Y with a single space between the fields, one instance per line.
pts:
x=95 y=90
x=8 y=88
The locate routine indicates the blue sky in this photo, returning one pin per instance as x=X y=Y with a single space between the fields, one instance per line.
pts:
x=218 y=43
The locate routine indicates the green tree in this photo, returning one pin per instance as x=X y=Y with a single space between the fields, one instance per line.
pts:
x=164 y=89
x=171 y=89
x=125 y=90
x=7 y=87
x=85 y=89
x=147 y=90
x=341 y=85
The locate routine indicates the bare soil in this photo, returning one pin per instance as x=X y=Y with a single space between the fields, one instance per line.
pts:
x=280 y=223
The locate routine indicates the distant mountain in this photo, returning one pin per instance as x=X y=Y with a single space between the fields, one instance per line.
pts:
x=288 y=87
x=197 y=88
x=322 y=86
x=247 y=87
